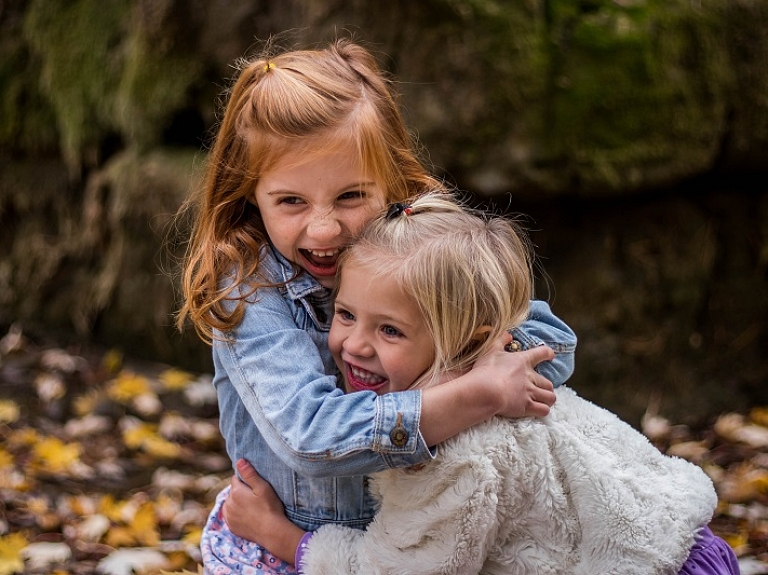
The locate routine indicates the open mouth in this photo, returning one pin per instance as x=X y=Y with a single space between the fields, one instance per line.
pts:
x=320 y=262
x=363 y=380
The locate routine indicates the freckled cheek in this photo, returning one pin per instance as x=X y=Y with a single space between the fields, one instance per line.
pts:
x=364 y=218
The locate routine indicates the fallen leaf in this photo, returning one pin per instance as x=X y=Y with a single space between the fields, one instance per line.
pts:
x=93 y=528
x=128 y=385
x=6 y=459
x=9 y=411
x=759 y=415
x=112 y=360
x=144 y=525
x=147 y=404
x=60 y=360
x=128 y=561
x=734 y=427
x=49 y=386
x=655 y=427
x=693 y=451
x=90 y=424
x=743 y=483
x=201 y=392
x=11 y=560
x=42 y=554
x=175 y=379
x=54 y=456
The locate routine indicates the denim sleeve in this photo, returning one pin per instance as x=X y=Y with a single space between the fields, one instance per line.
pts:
x=277 y=371
x=543 y=328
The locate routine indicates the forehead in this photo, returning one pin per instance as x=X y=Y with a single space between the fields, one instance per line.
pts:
x=363 y=284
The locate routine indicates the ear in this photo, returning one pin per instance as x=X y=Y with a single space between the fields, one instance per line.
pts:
x=481 y=334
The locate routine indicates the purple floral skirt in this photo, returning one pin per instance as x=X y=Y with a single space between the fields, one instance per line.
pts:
x=224 y=553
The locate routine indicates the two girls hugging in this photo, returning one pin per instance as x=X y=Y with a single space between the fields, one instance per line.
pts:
x=325 y=260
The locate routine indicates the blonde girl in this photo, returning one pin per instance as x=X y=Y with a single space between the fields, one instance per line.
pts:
x=423 y=294
x=311 y=145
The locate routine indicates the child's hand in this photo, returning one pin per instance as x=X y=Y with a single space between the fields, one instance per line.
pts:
x=253 y=511
x=500 y=383
x=521 y=389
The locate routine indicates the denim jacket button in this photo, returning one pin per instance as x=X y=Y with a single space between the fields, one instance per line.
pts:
x=399 y=435
x=513 y=345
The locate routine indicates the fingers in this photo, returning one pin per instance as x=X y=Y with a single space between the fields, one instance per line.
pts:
x=544 y=396
x=248 y=474
x=537 y=410
x=543 y=383
x=539 y=353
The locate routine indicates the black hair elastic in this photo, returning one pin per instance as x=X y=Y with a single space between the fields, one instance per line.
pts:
x=397 y=209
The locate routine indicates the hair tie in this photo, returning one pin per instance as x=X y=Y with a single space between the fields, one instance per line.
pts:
x=269 y=66
x=397 y=209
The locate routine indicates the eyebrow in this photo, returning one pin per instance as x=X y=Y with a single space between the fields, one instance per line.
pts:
x=348 y=187
x=379 y=317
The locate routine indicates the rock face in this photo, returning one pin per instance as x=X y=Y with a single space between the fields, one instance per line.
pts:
x=635 y=133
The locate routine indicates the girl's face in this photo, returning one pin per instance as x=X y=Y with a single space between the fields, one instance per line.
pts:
x=378 y=336
x=312 y=205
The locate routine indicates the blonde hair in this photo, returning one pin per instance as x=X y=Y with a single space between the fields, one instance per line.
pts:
x=469 y=273
x=304 y=100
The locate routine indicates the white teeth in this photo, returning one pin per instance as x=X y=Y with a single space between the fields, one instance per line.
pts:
x=365 y=376
x=324 y=253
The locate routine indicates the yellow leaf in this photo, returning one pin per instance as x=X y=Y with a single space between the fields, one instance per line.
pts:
x=24 y=437
x=144 y=525
x=144 y=436
x=111 y=508
x=135 y=435
x=128 y=385
x=159 y=447
x=6 y=459
x=12 y=478
x=9 y=411
x=737 y=540
x=86 y=404
x=54 y=456
x=195 y=533
x=759 y=415
x=175 y=379
x=120 y=536
x=10 y=553
x=112 y=360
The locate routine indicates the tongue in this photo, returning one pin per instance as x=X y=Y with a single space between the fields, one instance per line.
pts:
x=321 y=261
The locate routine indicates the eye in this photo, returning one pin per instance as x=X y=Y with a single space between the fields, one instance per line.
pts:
x=290 y=200
x=390 y=331
x=343 y=314
x=353 y=195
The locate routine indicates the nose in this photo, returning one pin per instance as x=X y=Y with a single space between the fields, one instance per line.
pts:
x=324 y=226
x=357 y=344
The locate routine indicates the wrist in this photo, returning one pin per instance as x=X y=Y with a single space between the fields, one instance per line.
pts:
x=452 y=407
x=300 y=549
x=487 y=398
x=285 y=540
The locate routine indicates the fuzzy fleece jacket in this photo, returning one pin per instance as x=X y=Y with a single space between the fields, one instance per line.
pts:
x=579 y=492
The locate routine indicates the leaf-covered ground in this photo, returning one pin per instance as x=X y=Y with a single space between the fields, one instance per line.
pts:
x=111 y=467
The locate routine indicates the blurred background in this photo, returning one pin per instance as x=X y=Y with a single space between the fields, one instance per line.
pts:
x=633 y=134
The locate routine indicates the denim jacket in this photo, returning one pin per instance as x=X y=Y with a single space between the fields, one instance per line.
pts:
x=311 y=441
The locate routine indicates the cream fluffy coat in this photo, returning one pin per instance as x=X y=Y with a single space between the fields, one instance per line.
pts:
x=579 y=492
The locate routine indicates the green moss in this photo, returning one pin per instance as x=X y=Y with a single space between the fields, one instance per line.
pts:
x=106 y=69
x=76 y=43
x=507 y=45
x=26 y=120
x=636 y=86
x=154 y=84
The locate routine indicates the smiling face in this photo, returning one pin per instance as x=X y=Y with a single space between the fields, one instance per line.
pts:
x=378 y=336
x=312 y=205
